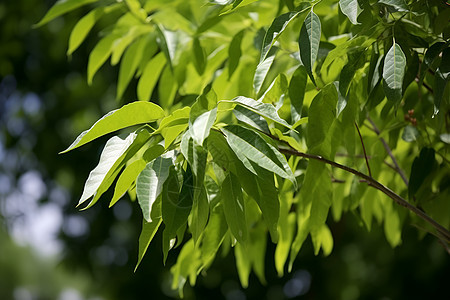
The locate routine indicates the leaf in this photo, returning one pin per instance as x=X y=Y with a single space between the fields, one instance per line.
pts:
x=297 y=89
x=233 y=207
x=142 y=112
x=61 y=7
x=397 y=5
x=422 y=166
x=150 y=76
x=148 y=232
x=100 y=54
x=441 y=78
x=188 y=262
x=277 y=27
x=393 y=73
x=123 y=42
x=167 y=88
x=322 y=238
x=356 y=60
x=342 y=101
x=262 y=69
x=266 y=110
x=131 y=59
x=202 y=125
x=115 y=147
x=250 y=118
x=126 y=179
x=308 y=42
x=199 y=56
x=176 y=205
x=429 y=59
x=276 y=90
x=410 y=134
x=351 y=9
x=83 y=27
x=234 y=52
x=243 y=264
x=150 y=182
x=248 y=144
x=214 y=235
x=174 y=124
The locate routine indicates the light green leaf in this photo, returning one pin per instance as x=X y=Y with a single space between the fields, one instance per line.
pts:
x=148 y=232
x=214 y=235
x=351 y=9
x=202 y=125
x=393 y=73
x=308 y=42
x=243 y=264
x=234 y=52
x=277 y=27
x=126 y=179
x=150 y=76
x=176 y=205
x=188 y=263
x=123 y=42
x=247 y=143
x=276 y=90
x=322 y=238
x=150 y=182
x=167 y=88
x=173 y=125
x=142 y=112
x=266 y=110
x=131 y=59
x=85 y=24
x=114 y=149
x=233 y=207
x=297 y=88
x=397 y=5
x=262 y=69
x=199 y=56
x=100 y=54
x=61 y=7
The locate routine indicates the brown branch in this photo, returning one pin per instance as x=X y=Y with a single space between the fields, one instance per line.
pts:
x=372 y=182
x=388 y=150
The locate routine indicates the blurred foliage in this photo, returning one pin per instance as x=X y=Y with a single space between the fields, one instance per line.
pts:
x=45 y=101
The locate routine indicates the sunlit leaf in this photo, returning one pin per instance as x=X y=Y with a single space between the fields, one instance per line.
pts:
x=297 y=88
x=393 y=73
x=397 y=5
x=61 y=7
x=126 y=179
x=150 y=76
x=351 y=9
x=234 y=52
x=142 y=112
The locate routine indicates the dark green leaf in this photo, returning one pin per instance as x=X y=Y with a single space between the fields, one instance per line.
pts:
x=297 y=88
x=422 y=166
x=148 y=232
x=308 y=42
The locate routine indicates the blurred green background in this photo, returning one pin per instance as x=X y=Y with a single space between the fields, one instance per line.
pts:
x=50 y=250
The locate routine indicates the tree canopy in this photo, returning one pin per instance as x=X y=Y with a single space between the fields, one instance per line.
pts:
x=267 y=119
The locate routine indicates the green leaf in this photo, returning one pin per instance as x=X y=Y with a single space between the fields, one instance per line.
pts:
x=393 y=73
x=61 y=7
x=131 y=59
x=250 y=118
x=126 y=179
x=174 y=124
x=429 y=59
x=142 y=112
x=148 y=232
x=214 y=235
x=114 y=149
x=188 y=263
x=249 y=145
x=308 y=42
x=276 y=90
x=351 y=9
x=397 y=5
x=342 y=101
x=356 y=60
x=441 y=78
x=234 y=207
x=262 y=69
x=277 y=27
x=202 y=125
x=422 y=166
x=243 y=264
x=410 y=134
x=123 y=42
x=84 y=26
x=150 y=182
x=322 y=238
x=167 y=88
x=297 y=89
x=234 y=52
x=199 y=56
x=100 y=54
x=176 y=205
x=150 y=76
x=265 y=110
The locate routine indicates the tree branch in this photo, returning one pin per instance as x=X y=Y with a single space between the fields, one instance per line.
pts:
x=388 y=150
x=372 y=182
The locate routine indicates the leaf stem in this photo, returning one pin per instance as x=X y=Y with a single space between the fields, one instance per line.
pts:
x=379 y=186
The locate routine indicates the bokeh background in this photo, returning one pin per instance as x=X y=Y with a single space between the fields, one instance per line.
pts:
x=51 y=250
